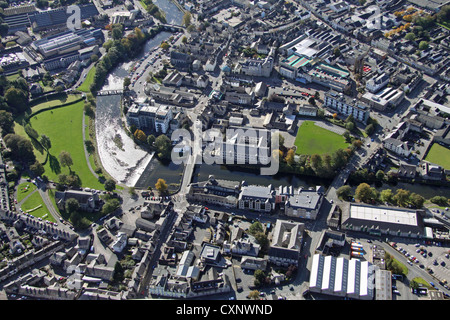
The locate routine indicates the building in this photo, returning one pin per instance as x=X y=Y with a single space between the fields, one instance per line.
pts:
x=430 y=171
x=378 y=220
x=218 y=192
x=256 y=198
x=304 y=203
x=257 y=67
x=384 y=99
x=286 y=243
x=397 y=146
x=377 y=82
x=347 y=106
x=67 y=42
x=150 y=116
x=341 y=277
x=120 y=243
x=89 y=201
x=242 y=149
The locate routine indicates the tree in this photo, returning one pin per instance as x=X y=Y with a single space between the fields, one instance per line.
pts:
x=316 y=161
x=440 y=200
x=89 y=146
x=349 y=126
x=110 y=206
x=187 y=19
x=335 y=115
x=17 y=99
x=290 y=157
x=401 y=197
x=255 y=228
x=364 y=192
x=423 y=45
x=72 y=205
x=65 y=159
x=110 y=185
x=380 y=175
x=21 y=148
x=386 y=195
x=161 y=186
x=254 y=294
x=357 y=143
x=151 y=140
x=163 y=147
x=410 y=36
x=416 y=200
x=336 y=52
x=140 y=135
x=260 y=276
x=126 y=83
x=45 y=142
x=37 y=168
x=118 y=274
x=6 y=122
x=344 y=192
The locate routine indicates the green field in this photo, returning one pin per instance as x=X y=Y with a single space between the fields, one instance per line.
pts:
x=312 y=139
x=24 y=189
x=40 y=209
x=439 y=155
x=86 y=85
x=64 y=128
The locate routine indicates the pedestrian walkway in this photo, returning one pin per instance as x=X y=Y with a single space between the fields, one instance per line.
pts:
x=330 y=127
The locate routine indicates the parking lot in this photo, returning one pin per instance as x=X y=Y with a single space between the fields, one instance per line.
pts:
x=427 y=255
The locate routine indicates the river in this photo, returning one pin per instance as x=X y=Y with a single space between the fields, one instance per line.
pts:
x=119 y=155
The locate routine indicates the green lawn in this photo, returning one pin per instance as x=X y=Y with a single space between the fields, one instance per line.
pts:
x=64 y=128
x=86 y=85
x=312 y=139
x=24 y=189
x=40 y=209
x=439 y=155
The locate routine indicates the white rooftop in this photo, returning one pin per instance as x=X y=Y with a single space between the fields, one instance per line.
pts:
x=384 y=214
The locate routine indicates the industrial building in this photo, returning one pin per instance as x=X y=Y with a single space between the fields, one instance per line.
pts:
x=66 y=42
x=378 y=220
x=341 y=277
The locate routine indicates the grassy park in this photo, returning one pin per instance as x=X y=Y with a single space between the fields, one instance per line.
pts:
x=312 y=139
x=35 y=206
x=439 y=155
x=24 y=189
x=65 y=133
x=86 y=85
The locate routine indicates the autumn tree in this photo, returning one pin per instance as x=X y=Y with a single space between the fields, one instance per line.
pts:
x=290 y=157
x=161 y=186
x=364 y=192
x=140 y=135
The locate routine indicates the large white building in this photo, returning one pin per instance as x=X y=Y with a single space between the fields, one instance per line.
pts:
x=347 y=106
x=150 y=116
x=378 y=220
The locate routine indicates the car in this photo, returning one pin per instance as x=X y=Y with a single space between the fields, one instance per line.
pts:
x=443 y=263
